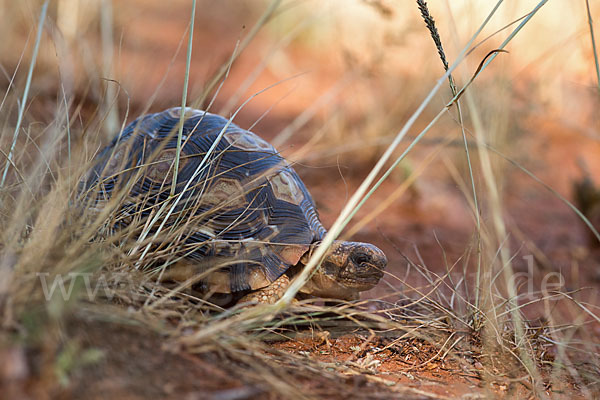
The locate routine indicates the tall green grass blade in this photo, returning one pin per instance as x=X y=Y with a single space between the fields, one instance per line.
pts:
x=186 y=81
x=36 y=49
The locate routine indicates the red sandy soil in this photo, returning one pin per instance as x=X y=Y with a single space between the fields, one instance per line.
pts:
x=137 y=363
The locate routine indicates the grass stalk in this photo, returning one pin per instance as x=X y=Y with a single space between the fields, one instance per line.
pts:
x=594 y=49
x=11 y=79
x=355 y=200
x=68 y=127
x=430 y=23
x=111 y=124
x=186 y=80
x=23 y=104
x=497 y=220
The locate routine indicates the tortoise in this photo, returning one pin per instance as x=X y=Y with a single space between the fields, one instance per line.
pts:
x=246 y=223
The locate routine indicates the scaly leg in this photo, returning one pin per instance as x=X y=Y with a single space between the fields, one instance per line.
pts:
x=269 y=294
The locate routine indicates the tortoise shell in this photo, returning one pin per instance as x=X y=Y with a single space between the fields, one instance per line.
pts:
x=236 y=197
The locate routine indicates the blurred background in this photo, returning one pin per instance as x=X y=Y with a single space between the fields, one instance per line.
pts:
x=334 y=81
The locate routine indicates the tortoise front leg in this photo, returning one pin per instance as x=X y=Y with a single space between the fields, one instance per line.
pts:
x=269 y=294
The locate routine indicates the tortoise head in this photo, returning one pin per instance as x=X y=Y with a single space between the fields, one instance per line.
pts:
x=347 y=269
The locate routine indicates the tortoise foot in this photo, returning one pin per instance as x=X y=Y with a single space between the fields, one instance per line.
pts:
x=269 y=294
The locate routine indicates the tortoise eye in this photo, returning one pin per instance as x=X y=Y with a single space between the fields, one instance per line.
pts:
x=361 y=258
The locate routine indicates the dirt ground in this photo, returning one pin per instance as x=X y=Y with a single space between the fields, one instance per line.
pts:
x=138 y=364
x=430 y=225
x=134 y=362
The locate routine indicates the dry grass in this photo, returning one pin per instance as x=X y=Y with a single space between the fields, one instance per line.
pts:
x=480 y=324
